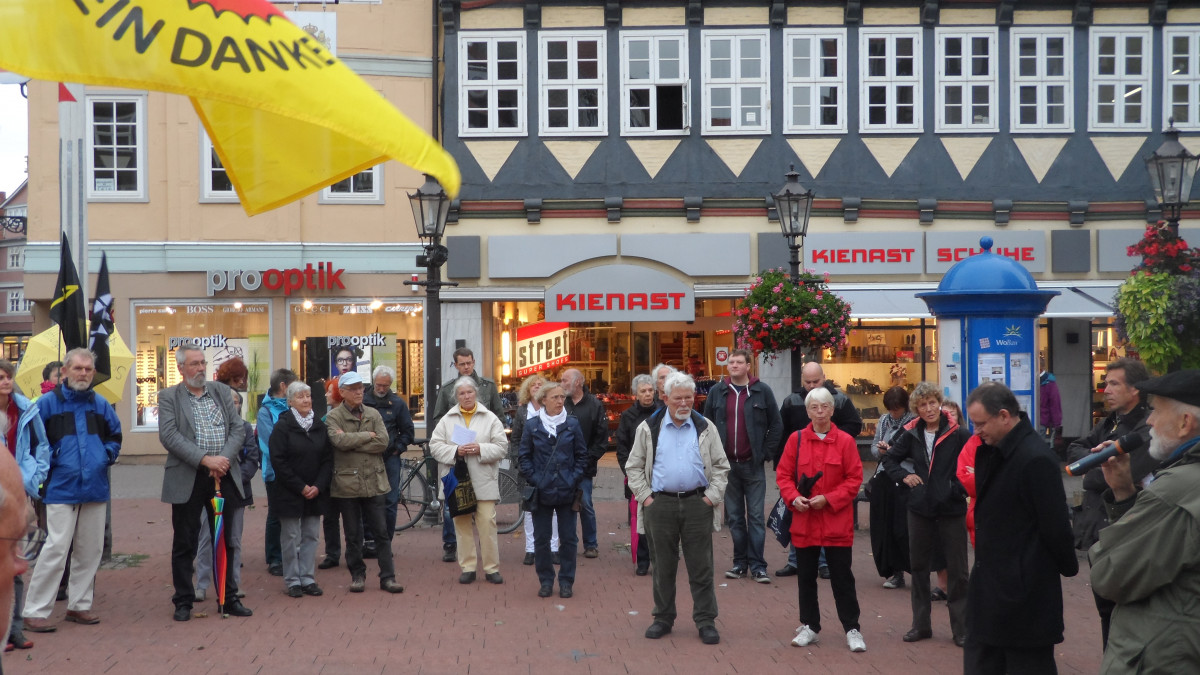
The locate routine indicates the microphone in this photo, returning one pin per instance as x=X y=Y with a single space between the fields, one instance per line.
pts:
x=1122 y=445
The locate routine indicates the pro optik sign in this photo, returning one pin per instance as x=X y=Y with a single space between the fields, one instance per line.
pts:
x=321 y=278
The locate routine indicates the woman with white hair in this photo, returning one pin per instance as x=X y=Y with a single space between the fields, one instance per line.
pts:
x=302 y=456
x=819 y=475
x=482 y=457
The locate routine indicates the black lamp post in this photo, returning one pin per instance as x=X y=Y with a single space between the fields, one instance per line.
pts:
x=794 y=205
x=431 y=206
x=1172 y=171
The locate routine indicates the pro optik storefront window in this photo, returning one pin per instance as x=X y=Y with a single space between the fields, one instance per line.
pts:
x=224 y=330
x=331 y=338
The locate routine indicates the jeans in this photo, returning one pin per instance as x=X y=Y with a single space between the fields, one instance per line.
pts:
x=449 y=539
x=356 y=510
x=587 y=516
x=271 y=546
x=841 y=582
x=392 y=463
x=744 y=498
x=672 y=522
x=544 y=519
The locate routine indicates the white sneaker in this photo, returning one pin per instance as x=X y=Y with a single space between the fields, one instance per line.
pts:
x=805 y=637
x=855 y=640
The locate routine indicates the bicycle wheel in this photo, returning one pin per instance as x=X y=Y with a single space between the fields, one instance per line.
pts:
x=509 y=515
x=414 y=495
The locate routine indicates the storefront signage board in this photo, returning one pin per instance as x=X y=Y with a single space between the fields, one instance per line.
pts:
x=722 y=356
x=620 y=293
x=943 y=249
x=542 y=346
x=865 y=253
x=323 y=277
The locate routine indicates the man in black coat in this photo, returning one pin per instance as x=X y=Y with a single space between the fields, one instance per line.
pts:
x=1023 y=542
x=590 y=413
x=398 y=422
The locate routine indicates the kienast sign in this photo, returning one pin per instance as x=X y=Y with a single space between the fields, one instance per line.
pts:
x=620 y=293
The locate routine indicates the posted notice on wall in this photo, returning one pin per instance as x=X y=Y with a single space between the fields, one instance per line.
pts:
x=1021 y=367
x=992 y=368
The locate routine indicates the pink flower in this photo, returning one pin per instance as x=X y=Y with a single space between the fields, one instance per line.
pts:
x=813 y=310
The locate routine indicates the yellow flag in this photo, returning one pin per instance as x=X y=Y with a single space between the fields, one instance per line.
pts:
x=286 y=117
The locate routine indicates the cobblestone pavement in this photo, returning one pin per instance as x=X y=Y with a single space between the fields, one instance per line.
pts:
x=440 y=626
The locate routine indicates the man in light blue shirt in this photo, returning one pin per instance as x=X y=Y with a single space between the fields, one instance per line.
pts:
x=677 y=471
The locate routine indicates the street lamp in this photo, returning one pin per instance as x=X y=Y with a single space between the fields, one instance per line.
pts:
x=431 y=206
x=1172 y=170
x=794 y=205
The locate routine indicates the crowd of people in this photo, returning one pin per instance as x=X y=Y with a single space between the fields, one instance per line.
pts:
x=939 y=490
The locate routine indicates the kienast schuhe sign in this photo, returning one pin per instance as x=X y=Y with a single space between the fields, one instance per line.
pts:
x=620 y=293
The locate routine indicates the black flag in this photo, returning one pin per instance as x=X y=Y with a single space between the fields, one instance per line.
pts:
x=67 y=308
x=102 y=324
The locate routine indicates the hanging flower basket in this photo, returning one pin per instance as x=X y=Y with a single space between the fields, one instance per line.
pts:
x=777 y=316
x=1158 y=306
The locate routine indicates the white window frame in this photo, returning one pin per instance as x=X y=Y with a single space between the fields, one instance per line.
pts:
x=17 y=304
x=573 y=84
x=207 y=156
x=815 y=82
x=375 y=196
x=1125 y=85
x=966 y=81
x=1040 y=81
x=492 y=85
x=890 y=81
x=737 y=84
x=139 y=194
x=16 y=257
x=655 y=80
x=1190 y=80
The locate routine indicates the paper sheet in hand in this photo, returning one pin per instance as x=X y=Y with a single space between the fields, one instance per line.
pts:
x=461 y=435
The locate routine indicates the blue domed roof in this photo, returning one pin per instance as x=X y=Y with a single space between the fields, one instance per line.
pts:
x=987 y=283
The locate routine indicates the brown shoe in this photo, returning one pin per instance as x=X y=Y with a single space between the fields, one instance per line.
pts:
x=40 y=626
x=86 y=618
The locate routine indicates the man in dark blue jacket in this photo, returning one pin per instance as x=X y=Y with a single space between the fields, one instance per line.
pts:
x=744 y=411
x=85 y=438
x=398 y=422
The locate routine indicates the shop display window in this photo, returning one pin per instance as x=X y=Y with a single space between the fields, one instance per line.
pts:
x=330 y=338
x=224 y=330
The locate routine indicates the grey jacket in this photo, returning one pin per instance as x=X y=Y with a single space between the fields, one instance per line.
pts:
x=177 y=433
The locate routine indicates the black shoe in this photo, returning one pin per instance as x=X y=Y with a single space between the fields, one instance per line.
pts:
x=937 y=594
x=554 y=560
x=450 y=554
x=391 y=586
x=960 y=640
x=786 y=571
x=183 y=613
x=312 y=589
x=823 y=571
x=275 y=569
x=709 y=635
x=494 y=578
x=657 y=630
x=466 y=578
x=358 y=584
x=236 y=608
x=545 y=591
x=565 y=590
x=529 y=559
x=738 y=572
x=643 y=569
x=915 y=635
x=328 y=563
x=295 y=592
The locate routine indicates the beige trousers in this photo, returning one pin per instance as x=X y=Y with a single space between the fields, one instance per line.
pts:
x=484 y=520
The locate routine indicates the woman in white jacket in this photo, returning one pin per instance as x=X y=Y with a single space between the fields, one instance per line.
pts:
x=482 y=456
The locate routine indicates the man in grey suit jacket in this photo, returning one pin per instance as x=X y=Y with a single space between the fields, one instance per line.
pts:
x=202 y=433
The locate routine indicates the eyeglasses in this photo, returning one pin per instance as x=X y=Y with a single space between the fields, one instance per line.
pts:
x=345 y=359
x=29 y=546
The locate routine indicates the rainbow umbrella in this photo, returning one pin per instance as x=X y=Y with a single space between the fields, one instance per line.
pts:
x=219 y=560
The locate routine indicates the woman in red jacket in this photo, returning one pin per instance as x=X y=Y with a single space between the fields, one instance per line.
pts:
x=819 y=475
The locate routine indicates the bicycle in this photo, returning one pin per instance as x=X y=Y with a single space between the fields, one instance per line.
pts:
x=417 y=496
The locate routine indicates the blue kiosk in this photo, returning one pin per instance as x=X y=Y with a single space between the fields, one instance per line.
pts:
x=986 y=309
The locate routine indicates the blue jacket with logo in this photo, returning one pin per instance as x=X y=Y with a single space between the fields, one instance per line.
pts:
x=31 y=444
x=268 y=414
x=84 y=437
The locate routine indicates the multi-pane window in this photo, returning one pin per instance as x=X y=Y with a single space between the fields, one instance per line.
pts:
x=966 y=80
x=1181 y=91
x=654 y=83
x=16 y=257
x=364 y=187
x=814 y=87
x=214 y=180
x=492 y=83
x=116 y=147
x=1041 y=79
x=17 y=303
x=890 y=62
x=736 y=77
x=1120 y=79
x=572 y=94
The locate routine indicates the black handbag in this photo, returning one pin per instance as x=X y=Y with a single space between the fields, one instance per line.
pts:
x=529 y=498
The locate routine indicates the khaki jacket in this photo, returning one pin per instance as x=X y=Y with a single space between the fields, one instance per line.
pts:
x=640 y=465
x=493 y=447
x=358 y=469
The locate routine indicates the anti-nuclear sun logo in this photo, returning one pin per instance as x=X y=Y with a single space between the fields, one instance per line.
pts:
x=243 y=8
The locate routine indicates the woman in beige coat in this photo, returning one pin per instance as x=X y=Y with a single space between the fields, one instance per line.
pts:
x=482 y=456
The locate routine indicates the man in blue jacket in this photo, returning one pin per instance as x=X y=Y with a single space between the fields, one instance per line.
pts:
x=274 y=403
x=85 y=438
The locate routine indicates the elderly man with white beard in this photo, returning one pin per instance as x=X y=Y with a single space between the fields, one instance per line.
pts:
x=1148 y=560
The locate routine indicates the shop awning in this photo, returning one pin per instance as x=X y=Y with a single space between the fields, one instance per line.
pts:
x=1082 y=299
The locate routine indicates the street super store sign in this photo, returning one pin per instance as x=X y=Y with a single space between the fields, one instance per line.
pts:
x=542 y=346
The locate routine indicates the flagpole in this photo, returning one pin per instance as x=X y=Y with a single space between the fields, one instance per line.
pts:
x=72 y=168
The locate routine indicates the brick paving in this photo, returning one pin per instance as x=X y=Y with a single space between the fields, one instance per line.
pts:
x=440 y=626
